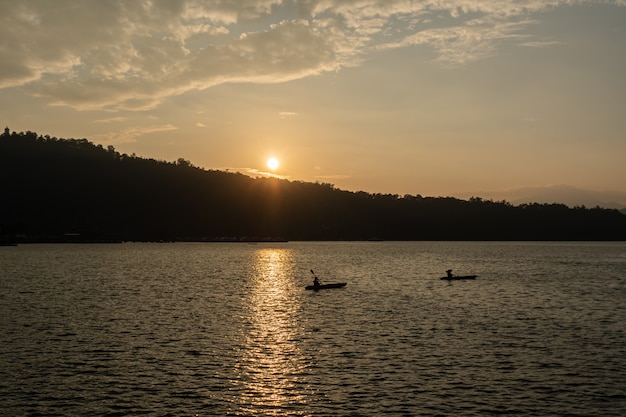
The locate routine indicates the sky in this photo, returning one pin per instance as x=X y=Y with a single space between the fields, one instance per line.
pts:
x=435 y=97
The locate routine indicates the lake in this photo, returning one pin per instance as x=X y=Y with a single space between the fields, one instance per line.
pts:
x=209 y=329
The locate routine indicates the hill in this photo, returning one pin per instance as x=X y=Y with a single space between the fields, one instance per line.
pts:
x=73 y=190
x=563 y=194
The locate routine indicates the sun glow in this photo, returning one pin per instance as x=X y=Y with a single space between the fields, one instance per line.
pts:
x=272 y=163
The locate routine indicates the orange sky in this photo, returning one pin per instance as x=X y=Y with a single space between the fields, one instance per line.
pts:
x=427 y=97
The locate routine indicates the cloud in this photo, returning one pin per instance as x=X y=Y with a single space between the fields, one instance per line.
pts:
x=540 y=44
x=129 y=135
x=253 y=172
x=286 y=114
x=123 y=54
x=333 y=177
x=111 y=120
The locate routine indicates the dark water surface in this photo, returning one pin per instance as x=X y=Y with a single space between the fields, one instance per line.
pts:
x=228 y=329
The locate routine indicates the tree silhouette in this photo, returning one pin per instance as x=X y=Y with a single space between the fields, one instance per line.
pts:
x=54 y=188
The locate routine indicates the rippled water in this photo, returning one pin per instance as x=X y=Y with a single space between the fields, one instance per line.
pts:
x=228 y=329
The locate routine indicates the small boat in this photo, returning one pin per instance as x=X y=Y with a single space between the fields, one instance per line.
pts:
x=326 y=286
x=459 y=277
x=317 y=286
x=450 y=277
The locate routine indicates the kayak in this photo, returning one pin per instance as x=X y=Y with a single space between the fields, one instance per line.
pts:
x=454 y=277
x=326 y=286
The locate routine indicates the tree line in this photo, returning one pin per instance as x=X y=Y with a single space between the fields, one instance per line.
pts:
x=73 y=190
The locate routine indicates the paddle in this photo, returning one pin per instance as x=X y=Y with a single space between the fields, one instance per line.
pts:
x=314 y=276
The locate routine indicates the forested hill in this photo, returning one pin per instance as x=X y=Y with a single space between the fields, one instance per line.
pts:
x=72 y=190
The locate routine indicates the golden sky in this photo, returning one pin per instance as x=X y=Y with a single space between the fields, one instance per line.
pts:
x=433 y=97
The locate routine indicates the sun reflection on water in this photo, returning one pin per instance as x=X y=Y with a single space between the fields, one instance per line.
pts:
x=271 y=365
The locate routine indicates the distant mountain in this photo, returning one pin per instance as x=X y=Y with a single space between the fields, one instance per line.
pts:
x=562 y=194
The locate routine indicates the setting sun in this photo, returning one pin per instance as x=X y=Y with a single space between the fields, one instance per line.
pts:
x=272 y=163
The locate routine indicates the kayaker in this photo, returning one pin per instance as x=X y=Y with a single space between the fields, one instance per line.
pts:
x=449 y=272
x=316 y=282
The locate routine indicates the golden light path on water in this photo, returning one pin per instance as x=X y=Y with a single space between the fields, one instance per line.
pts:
x=271 y=363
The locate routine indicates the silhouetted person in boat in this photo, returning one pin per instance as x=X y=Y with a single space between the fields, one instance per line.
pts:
x=449 y=272
x=316 y=282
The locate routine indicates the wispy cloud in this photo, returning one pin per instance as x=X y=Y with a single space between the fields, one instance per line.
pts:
x=541 y=44
x=253 y=172
x=111 y=120
x=130 y=134
x=132 y=55
x=333 y=177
